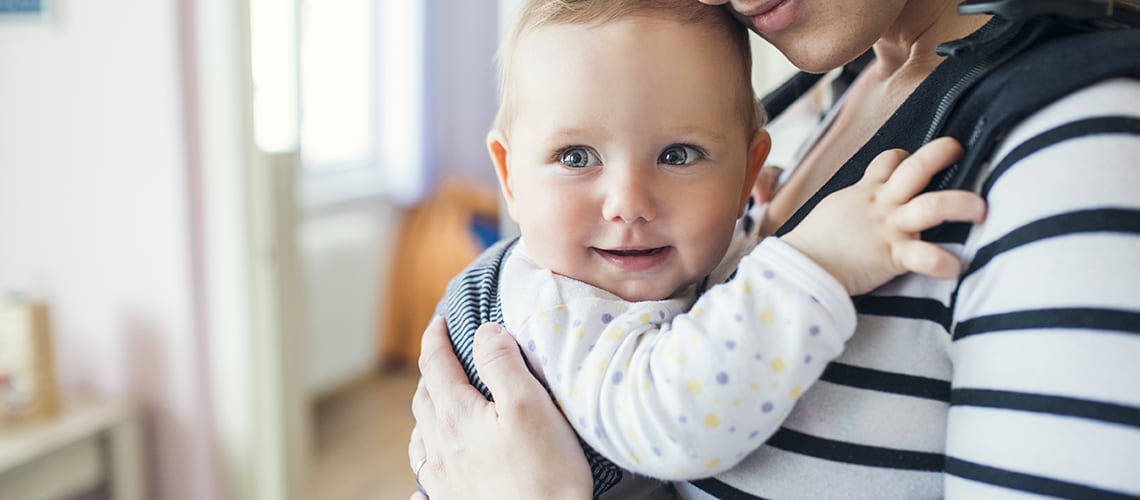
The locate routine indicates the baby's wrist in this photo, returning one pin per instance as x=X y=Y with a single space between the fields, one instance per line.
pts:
x=804 y=247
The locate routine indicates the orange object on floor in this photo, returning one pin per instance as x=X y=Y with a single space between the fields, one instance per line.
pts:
x=436 y=242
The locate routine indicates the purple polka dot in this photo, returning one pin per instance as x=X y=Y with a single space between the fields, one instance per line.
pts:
x=768 y=274
x=753 y=434
x=672 y=439
x=577 y=323
x=768 y=407
x=722 y=378
x=757 y=357
x=814 y=330
x=661 y=314
x=617 y=378
x=599 y=433
x=531 y=346
x=607 y=317
x=807 y=359
x=814 y=299
x=656 y=451
x=649 y=375
x=559 y=377
x=732 y=429
x=582 y=421
x=683 y=419
x=545 y=360
x=730 y=344
x=590 y=349
x=738 y=318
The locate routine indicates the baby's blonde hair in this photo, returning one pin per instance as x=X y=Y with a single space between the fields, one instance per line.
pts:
x=538 y=13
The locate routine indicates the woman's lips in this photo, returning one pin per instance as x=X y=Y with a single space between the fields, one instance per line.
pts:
x=635 y=259
x=773 y=16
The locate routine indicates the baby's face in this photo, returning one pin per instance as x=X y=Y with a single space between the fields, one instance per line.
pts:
x=628 y=154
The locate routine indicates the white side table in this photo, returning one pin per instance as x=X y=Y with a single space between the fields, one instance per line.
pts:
x=88 y=444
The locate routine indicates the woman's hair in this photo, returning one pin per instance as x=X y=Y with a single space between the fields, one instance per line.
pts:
x=538 y=13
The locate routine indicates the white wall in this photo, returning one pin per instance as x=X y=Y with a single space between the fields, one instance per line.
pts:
x=344 y=256
x=95 y=219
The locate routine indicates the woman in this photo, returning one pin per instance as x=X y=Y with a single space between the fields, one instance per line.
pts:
x=1020 y=378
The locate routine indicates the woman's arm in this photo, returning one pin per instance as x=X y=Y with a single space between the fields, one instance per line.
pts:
x=1046 y=336
x=516 y=447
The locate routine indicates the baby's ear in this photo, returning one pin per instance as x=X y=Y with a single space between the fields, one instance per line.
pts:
x=500 y=153
x=757 y=154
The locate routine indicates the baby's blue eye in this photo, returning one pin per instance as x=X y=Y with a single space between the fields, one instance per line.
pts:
x=578 y=157
x=679 y=154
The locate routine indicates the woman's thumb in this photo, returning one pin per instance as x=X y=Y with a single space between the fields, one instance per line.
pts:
x=501 y=366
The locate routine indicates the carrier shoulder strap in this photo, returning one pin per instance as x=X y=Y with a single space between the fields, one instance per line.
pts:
x=1053 y=59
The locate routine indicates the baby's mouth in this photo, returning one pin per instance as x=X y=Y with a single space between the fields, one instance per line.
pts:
x=635 y=259
x=631 y=252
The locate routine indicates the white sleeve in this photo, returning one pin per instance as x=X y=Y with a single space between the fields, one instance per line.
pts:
x=691 y=397
x=1046 y=338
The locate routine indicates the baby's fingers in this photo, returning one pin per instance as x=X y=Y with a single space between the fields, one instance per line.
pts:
x=915 y=172
x=922 y=257
x=931 y=209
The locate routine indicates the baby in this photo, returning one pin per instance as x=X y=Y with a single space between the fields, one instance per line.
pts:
x=626 y=145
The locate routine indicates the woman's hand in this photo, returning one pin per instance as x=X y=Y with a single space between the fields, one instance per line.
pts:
x=519 y=446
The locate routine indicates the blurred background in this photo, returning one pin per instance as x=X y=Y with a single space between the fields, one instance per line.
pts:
x=239 y=215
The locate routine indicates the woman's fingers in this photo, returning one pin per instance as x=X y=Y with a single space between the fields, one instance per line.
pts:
x=915 y=172
x=502 y=368
x=931 y=209
x=451 y=394
x=764 y=189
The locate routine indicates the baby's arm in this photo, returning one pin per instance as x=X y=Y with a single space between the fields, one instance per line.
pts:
x=690 y=398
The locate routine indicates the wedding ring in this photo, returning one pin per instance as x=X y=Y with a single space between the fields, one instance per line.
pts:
x=419 y=467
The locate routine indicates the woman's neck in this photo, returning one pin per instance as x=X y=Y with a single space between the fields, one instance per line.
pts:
x=908 y=47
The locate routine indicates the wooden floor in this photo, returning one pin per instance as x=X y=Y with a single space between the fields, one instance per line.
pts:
x=362 y=441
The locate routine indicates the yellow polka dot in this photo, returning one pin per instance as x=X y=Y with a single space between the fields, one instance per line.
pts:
x=644 y=318
x=745 y=287
x=601 y=367
x=633 y=458
x=693 y=387
x=557 y=328
x=682 y=359
x=795 y=392
x=767 y=316
x=574 y=391
x=712 y=420
x=712 y=463
x=645 y=385
x=736 y=402
x=697 y=311
x=579 y=333
x=778 y=365
x=560 y=307
x=543 y=314
x=755 y=387
x=613 y=333
x=631 y=433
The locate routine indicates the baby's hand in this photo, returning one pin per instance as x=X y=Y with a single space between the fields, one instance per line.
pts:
x=868 y=233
